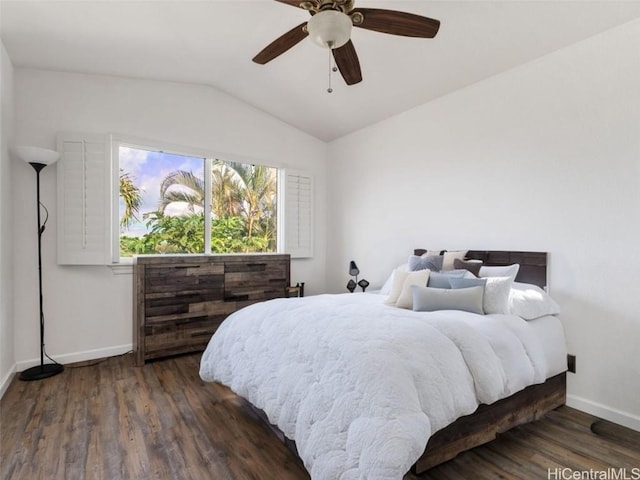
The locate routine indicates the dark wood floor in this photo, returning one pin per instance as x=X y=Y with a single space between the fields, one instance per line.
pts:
x=116 y=421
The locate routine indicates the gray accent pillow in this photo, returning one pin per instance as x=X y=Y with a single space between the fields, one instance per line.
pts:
x=468 y=282
x=457 y=283
x=427 y=299
x=441 y=279
x=433 y=263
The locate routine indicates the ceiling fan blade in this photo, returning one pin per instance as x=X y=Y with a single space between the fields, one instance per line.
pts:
x=397 y=23
x=293 y=3
x=281 y=44
x=347 y=61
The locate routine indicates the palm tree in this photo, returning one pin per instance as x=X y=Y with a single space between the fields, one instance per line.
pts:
x=226 y=198
x=132 y=199
x=259 y=189
x=181 y=186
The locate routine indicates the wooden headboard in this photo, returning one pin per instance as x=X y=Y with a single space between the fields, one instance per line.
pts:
x=533 y=265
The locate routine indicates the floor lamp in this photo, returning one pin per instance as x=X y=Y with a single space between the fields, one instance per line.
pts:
x=39 y=158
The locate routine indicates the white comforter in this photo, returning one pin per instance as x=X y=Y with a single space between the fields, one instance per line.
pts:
x=359 y=385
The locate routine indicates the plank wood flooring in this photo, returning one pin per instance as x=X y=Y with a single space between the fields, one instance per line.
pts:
x=113 y=421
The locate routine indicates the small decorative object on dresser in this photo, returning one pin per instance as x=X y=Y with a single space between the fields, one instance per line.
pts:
x=179 y=301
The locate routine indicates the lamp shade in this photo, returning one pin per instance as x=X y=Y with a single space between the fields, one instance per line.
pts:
x=353 y=269
x=330 y=29
x=42 y=156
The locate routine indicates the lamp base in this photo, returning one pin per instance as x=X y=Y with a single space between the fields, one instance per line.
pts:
x=41 y=371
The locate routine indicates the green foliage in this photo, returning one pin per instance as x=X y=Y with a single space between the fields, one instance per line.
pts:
x=229 y=235
x=130 y=195
x=167 y=234
x=130 y=246
x=185 y=234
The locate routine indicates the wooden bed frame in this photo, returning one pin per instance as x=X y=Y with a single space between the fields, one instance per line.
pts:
x=487 y=421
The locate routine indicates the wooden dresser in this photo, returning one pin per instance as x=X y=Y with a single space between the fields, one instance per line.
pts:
x=179 y=301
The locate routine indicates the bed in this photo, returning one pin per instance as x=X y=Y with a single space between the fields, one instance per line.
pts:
x=361 y=389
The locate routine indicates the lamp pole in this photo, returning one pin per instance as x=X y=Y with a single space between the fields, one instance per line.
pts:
x=40 y=371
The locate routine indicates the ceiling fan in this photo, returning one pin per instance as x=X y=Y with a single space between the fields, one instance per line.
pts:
x=330 y=27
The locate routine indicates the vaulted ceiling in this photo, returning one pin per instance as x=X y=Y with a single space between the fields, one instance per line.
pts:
x=212 y=42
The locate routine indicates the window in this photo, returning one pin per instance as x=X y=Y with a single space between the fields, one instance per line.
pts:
x=166 y=206
x=174 y=203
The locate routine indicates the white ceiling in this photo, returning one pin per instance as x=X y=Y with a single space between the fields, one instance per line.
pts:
x=212 y=42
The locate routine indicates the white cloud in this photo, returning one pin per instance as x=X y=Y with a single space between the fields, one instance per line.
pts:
x=132 y=160
x=179 y=209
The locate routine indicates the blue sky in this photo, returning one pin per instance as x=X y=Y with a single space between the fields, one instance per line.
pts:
x=147 y=169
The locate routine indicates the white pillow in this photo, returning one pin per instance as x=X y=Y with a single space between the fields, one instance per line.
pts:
x=496 y=295
x=530 y=302
x=449 y=257
x=426 y=299
x=420 y=278
x=399 y=276
x=508 y=271
x=386 y=288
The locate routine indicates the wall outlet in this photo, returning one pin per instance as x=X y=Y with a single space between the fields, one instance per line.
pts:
x=571 y=363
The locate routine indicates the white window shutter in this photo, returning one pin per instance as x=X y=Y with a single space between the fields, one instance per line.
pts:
x=298 y=213
x=84 y=190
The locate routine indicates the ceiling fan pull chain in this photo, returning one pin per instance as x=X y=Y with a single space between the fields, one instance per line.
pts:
x=331 y=69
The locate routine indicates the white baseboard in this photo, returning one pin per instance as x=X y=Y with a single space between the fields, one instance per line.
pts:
x=78 y=356
x=625 y=419
x=6 y=380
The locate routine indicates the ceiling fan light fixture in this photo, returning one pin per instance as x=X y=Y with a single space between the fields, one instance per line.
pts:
x=330 y=29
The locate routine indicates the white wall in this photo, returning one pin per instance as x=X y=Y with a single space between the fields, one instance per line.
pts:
x=88 y=309
x=7 y=353
x=545 y=157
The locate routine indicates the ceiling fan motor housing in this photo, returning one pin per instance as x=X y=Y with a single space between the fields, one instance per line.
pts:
x=319 y=5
